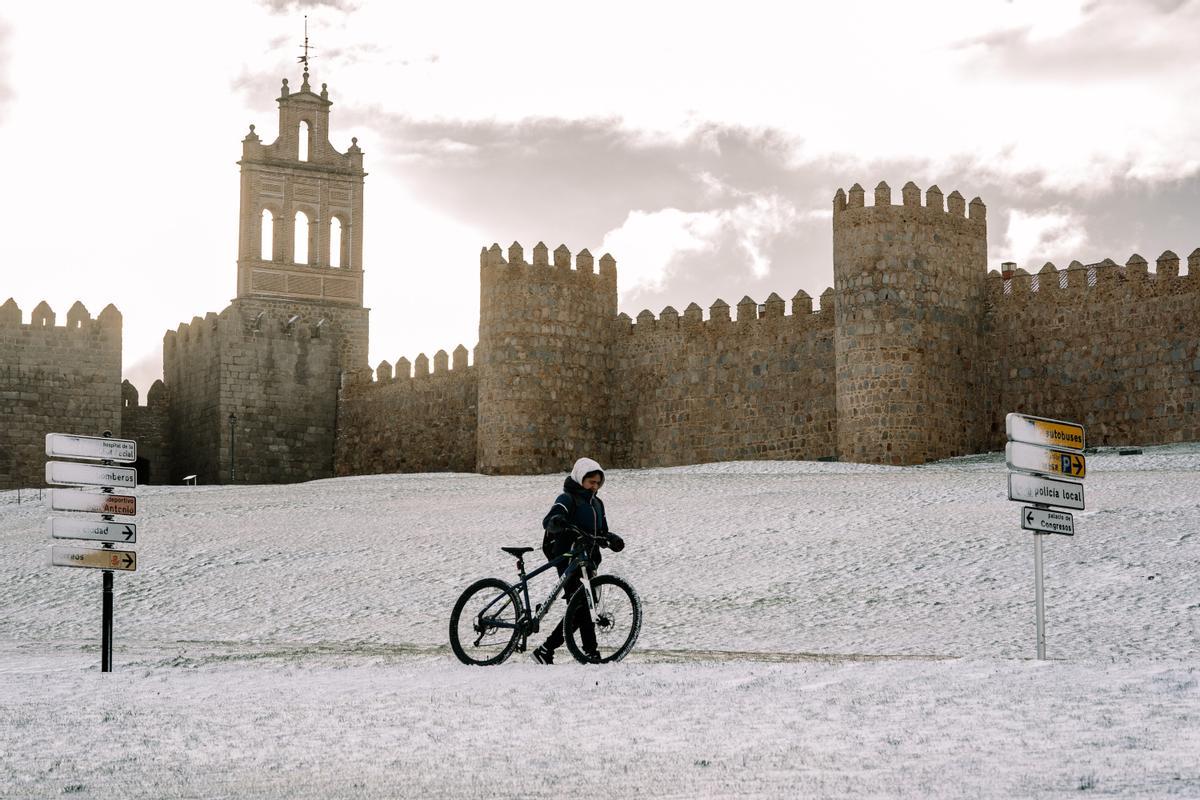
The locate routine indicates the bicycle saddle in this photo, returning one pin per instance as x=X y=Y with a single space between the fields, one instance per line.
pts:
x=517 y=551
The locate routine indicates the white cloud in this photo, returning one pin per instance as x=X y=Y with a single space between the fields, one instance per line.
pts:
x=1035 y=237
x=648 y=244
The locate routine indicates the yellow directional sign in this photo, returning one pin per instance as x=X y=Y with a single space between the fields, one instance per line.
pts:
x=92 y=558
x=1048 y=461
x=1045 y=432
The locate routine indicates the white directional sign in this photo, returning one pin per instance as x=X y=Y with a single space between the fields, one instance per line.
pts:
x=96 y=531
x=124 y=505
x=65 y=445
x=1047 y=432
x=72 y=474
x=91 y=558
x=1043 y=520
x=1046 y=491
x=1046 y=460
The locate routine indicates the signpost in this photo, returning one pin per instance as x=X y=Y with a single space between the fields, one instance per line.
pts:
x=92 y=558
x=121 y=505
x=106 y=530
x=1045 y=491
x=71 y=474
x=1040 y=453
x=1041 y=520
x=80 y=528
x=61 y=445
x=1044 y=432
x=1030 y=457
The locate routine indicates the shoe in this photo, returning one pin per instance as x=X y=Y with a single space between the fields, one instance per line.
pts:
x=593 y=657
x=543 y=656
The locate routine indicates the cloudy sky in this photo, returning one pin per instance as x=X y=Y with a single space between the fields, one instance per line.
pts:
x=699 y=143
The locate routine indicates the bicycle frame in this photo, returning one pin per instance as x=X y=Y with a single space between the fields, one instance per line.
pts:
x=527 y=622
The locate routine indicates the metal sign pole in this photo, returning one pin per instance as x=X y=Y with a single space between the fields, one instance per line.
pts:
x=106 y=634
x=1040 y=596
x=106 y=604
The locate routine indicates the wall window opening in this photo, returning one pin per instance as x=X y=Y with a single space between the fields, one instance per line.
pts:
x=304 y=140
x=267 y=243
x=301 y=243
x=335 y=242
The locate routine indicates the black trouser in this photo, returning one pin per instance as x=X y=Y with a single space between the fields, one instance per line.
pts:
x=587 y=629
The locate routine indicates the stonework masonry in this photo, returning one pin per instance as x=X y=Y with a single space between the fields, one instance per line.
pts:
x=149 y=426
x=257 y=389
x=1114 y=347
x=909 y=280
x=407 y=423
x=690 y=390
x=545 y=359
x=916 y=353
x=55 y=378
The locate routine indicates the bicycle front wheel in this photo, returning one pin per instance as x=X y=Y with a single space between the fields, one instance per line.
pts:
x=483 y=625
x=618 y=621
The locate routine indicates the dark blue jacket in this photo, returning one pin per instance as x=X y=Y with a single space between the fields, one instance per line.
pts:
x=575 y=506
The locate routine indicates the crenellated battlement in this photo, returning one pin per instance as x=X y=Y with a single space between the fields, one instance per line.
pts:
x=405 y=370
x=43 y=319
x=544 y=264
x=54 y=377
x=751 y=315
x=850 y=206
x=1095 y=280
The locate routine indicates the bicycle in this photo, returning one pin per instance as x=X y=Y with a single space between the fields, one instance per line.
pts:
x=503 y=622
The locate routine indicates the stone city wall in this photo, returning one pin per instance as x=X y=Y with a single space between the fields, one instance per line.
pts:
x=191 y=356
x=688 y=390
x=406 y=422
x=1114 y=348
x=149 y=426
x=910 y=285
x=55 y=380
x=545 y=358
x=275 y=366
x=279 y=377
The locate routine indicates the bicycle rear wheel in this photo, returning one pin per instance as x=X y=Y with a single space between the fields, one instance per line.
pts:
x=619 y=621
x=483 y=625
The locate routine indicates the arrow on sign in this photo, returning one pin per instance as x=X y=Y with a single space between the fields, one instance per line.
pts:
x=127 y=561
x=128 y=532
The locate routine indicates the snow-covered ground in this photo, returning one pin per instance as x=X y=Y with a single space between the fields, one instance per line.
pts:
x=810 y=630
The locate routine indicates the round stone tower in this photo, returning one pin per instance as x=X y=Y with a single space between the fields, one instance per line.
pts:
x=909 y=283
x=544 y=359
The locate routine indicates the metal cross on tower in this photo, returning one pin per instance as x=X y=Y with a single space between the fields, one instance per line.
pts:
x=304 y=58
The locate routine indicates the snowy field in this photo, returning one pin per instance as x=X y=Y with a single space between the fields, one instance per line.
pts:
x=811 y=630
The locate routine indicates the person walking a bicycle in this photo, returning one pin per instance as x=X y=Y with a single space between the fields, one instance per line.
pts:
x=578 y=509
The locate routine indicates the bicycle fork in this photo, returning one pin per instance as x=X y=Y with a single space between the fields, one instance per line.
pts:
x=593 y=611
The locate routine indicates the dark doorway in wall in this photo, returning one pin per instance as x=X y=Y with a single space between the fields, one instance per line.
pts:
x=142 y=465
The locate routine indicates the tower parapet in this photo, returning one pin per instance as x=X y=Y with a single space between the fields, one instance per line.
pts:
x=543 y=359
x=909 y=281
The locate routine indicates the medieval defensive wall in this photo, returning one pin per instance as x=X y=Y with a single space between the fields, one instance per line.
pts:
x=915 y=353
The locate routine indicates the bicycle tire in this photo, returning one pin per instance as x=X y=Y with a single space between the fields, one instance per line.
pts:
x=624 y=602
x=485 y=592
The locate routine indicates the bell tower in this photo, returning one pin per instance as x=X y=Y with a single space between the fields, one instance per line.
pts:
x=256 y=386
x=300 y=225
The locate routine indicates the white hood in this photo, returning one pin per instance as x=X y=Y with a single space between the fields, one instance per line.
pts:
x=582 y=467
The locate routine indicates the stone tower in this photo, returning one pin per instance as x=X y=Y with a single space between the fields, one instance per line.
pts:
x=909 y=282
x=255 y=388
x=544 y=362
